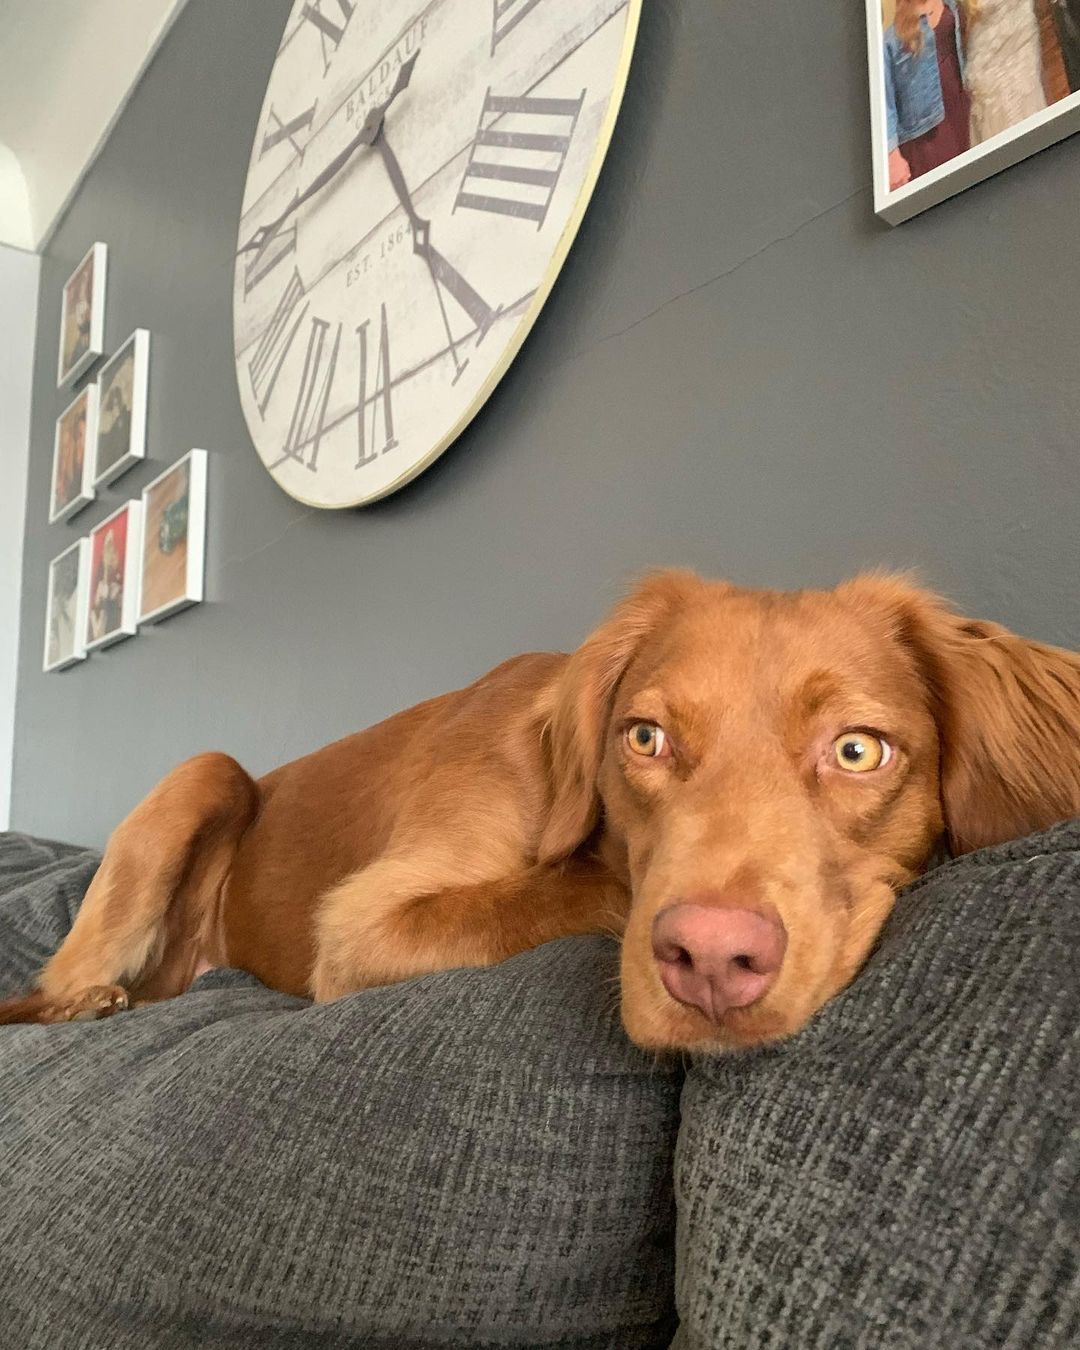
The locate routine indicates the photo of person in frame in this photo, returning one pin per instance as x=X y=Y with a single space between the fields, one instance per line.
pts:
x=959 y=72
x=927 y=103
x=1005 y=65
x=108 y=550
x=1066 y=17
x=114 y=414
x=70 y=456
x=78 y=300
x=63 y=608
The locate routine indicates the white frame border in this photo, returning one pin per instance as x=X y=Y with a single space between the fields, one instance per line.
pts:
x=196 y=537
x=136 y=450
x=100 y=254
x=86 y=493
x=82 y=592
x=1035 y=133
x=132 y=576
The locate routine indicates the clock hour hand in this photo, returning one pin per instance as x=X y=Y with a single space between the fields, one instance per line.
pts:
x=367 y=135
x=373 y=122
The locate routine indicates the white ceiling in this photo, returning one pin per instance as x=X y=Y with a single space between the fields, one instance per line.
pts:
x=66 y=70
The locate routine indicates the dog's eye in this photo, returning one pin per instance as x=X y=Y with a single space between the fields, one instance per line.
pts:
x=861 y=751
x=646 y=738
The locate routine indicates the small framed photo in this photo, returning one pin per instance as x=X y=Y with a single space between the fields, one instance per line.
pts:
x=65 y=610
x=961 y=89
x=76 y=429
x=113 y=594
x=174 y=538
x=82 y=316
x=121 y=424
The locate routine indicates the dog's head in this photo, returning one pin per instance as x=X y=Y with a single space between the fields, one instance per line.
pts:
x=768 y=769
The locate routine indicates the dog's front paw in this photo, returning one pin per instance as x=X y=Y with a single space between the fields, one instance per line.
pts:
x=102 y=1000
x=99 y=1001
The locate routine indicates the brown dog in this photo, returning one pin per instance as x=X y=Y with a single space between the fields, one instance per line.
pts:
x=740 y=781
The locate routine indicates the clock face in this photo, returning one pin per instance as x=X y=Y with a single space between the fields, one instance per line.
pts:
x=419 y=171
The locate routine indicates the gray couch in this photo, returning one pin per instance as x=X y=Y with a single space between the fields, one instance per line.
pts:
x=481 y=1159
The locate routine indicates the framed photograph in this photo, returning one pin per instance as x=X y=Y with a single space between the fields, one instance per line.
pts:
x=65 y=610
x=82 y=316
x=174 y=538
x=961 y=89
x=113 y=595
x=76 y=429
x=121 y=424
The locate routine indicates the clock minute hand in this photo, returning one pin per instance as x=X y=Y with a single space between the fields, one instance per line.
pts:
x=442 y=271
x=367 y=135
x=421 y=231
x=420 y=226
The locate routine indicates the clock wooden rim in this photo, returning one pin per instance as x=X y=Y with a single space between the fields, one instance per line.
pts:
x=540 y=297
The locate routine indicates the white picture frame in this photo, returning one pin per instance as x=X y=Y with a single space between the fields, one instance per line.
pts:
x=1034 y=133
x=70 y=592
x=71 y=486
x=171 y=580
x=82 y=316
x=113 y=586
x=122 y=385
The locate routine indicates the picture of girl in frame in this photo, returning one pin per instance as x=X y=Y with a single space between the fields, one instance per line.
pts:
x=108 y=554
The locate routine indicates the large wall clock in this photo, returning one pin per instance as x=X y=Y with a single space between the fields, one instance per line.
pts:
x=420 y=169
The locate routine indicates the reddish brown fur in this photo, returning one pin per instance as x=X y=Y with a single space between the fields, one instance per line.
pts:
x=492 y=819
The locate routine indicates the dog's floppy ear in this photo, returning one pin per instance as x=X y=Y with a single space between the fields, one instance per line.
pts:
x=583 y=701
x=1008 y=713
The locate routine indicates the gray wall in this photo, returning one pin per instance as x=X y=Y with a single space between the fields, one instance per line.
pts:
x=740 y=370
x=18 y=305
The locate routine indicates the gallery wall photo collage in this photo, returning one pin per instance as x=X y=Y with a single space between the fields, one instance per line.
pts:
x=146 y=559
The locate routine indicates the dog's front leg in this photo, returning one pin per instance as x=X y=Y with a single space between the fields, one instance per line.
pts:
x=385 y=924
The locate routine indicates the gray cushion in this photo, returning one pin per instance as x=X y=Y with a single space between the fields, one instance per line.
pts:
x=479 y=1158
x=41 y=886
x=905 y=1173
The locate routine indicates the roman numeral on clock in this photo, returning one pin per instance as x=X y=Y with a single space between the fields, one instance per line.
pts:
x=274 y=249
x=529 y=162
x=381 y=396
x=506 y=17
x=278 y=131
x=331 y=30
x=312 y=397
x=277 y=337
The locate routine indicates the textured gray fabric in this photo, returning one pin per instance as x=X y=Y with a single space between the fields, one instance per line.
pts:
x=905 y=1173
x=41 y=886
x=478 y=1158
